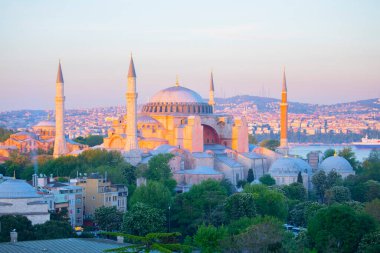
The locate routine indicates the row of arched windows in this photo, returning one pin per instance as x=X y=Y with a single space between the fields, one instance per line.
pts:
x=180 y=108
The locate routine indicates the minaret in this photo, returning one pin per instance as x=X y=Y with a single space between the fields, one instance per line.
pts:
x=131 y=96
x=60 y=141
x=211 y=100
x=284 y=114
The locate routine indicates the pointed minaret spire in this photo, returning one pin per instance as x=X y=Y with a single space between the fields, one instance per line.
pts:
x=212 y=82
x=59 y=73
x=211 y=100
x=60 y=147
x=131 y=96
x=131 y=72
x=284 y=88
x=284 y=115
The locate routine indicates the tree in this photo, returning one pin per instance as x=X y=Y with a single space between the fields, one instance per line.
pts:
x=158 y=167
x=22 y=225
x=91 y=140
x=267 y=180
x=302 y=212
x=349 y=155
x=370 y=243
x=60 y=215
x=270 y=144
x=152 y=242
x=268 y=202
x=240 y=205
x=329 y=152
x=241 y=183
x=108 y=218
x=154 y=194
x=322 y=182
x=337 y=194
x=195 y=207
x=143 y=219
x=5 y=134
x=333 y=179
x=265 y=235
x=53 y=230
x=338 y=228
x=372 y=190
x=299 y=178
x=251 y=176
x=227 y=186
x=209 y=238
x=295 y=191
x=159 y=170
x=252 y=139
x=373 y=209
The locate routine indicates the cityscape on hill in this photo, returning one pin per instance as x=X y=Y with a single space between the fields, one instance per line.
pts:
x=341 y=123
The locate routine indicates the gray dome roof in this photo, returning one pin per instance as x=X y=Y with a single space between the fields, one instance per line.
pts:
x=15 y=188
x=337 y=163
x=176 y=94
x=147 y=120
x=289 y=166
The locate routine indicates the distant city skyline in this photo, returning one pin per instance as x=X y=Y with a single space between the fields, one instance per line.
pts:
x=330 y=49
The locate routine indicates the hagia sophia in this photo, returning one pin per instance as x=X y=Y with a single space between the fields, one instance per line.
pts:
x=177 y=120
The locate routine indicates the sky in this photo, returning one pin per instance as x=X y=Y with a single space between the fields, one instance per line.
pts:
x=330 y=49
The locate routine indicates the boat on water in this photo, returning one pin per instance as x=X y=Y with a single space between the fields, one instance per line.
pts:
x=367 y=143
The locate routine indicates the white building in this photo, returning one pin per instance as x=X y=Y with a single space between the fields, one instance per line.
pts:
x=17 y=197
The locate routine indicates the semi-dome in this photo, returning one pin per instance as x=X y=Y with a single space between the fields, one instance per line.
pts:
x=337 y=163
x=15 y=188
x=289 y=166
x=176 y=94
x=147 y=120
x=177 y=99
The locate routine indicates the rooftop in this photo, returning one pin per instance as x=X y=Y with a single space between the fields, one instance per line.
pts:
x=83 y=245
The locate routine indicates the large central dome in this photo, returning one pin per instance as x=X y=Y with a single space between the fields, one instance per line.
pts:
x=176 y=94
x=177 y=99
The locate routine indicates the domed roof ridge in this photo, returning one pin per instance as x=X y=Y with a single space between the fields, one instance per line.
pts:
x=291 y=165
x=177 y=94
x=337 y=163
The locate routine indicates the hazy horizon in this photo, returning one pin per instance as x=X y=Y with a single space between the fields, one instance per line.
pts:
x=330 y=49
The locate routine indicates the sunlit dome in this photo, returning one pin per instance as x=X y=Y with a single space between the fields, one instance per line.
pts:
x=337 y=163
x=177 y=99
x=176 y=94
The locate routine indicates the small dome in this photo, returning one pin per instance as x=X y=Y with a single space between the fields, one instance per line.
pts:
x=337 y=163
x=289 y=166
x=176 y=94
x=45 y=123
x=15 y=188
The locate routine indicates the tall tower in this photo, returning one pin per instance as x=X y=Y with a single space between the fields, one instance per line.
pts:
x=211 y=100
x=131 y=96
x=60 y=140
x=284 y=114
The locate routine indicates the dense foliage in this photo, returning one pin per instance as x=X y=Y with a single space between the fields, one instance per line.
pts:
x=340 y=214
x=4 y=134
x=26 y=231
x=108 y=218
x=91 y=140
